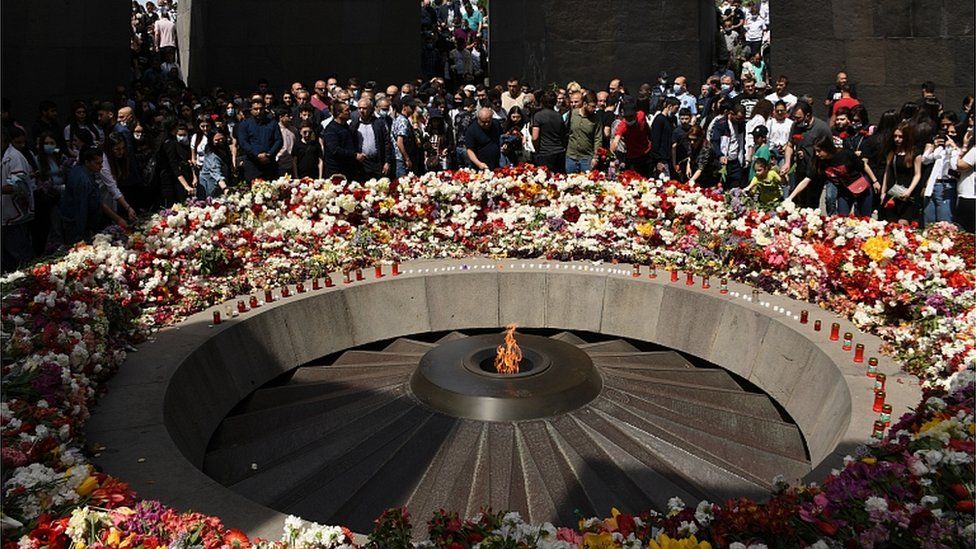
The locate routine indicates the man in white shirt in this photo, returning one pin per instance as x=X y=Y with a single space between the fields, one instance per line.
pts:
x=780 y=126
x=16 y=201
x=164 y=32
x=513 y=97
x=782 y=93
x=755 y=27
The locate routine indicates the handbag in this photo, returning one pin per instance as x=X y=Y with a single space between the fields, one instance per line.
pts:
x=858 y=186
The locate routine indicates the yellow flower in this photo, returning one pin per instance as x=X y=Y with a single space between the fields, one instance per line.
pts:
x=869 y=460
x=87 y=486
x=932 y=423
x=645 y=229
x=80 y=545
x=664 y=542
x=972 y=428
x=598 y=541
x=114 y=537
x=875 y=247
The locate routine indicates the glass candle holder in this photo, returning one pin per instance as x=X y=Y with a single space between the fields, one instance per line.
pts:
x=817 y=325
x=316 y=285
x=878 y=431
x=705 y=282
x=285 y=292
x=804 y=316
x=396 y=269
x=848 y=341
x=328 y=281
x=268 y=297
x=689 y=278
x=872 y=367
x=216 y=317
x=723 y=287
x=254 y=302
x=653 y=273
x=359 y=275
x=880 y=380
x=674 y=275
x=300 y=288
x=378 y=270
x=240 y=306
x=834 y=331
x=879 y=401
x=635 y=271
x=859 y=353
x=886 y=415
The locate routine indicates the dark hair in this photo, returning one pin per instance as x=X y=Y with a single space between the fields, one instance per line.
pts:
x=282 y=111
x=88 y=154
x=860 y=111
x=764 y=108
x=886 y=126
x=825 y=144
x=907 y=144
x=548 y=100
x=210 y=142
x=908 y=110
x=843 y=111
x=928 y=86
x=760 y=163
x=696 y=136
x=684 y=111
x=118 y=166
x=46 y=105
x=804 y=107
x=337 y=107
x=509 y=124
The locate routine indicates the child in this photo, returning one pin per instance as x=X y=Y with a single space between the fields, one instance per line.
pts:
x=768 y=183
x=759 y=148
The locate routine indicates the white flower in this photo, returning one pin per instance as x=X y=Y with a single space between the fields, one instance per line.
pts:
x=874 y=503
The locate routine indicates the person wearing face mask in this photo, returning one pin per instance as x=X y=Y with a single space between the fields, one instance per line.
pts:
x=780 y=126
x=175 y=173
x=82 y=209
x=728 y=141
x=259 y=140
x=373 y=141
x=659 y=91
x=52 y=171
x=662 y=135
x=308 y=152
x=680 y=92
x=384 y=111
x=215 y=173
x=681 y=145
x=17 y=211
x=799 y=153
x=116 y=177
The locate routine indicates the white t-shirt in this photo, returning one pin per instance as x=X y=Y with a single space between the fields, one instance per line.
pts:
x=17 y=207
x=779 y=132
x=167 y=33
x=967 y=180
x=755 y=25
x=789 y=99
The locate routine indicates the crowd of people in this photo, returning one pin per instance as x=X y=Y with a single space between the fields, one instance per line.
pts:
x=158 y=142
x=455 y=40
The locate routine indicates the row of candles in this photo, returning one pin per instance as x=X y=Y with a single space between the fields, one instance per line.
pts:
x=317 y=284
x=879 y=406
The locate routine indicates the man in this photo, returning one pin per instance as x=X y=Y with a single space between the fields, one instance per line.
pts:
x=259 y=139
x=681 y=147
x=662 y=134
x=728 y=141
x=585 y=128
x=373 y=141
x=17 y=204
x=483 y=141
x=811 y=130
x=780 y=127
x=685 y=99
x=845 y=101
x=384 y=111
x=659 y=91
x=549 y=135
x=406 y=148
x=285 y=158
x=341 y=155
x=755 y=27
x=47 y=121
x=315 y=115
x=834 y=93
x=464 y=117
x=634 y=132
x=749 y=96
x=320 y=98
x=782 y=93
x=513 y=96
x=164 y=33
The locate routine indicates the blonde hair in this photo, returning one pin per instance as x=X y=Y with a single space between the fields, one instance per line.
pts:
x=573 y=87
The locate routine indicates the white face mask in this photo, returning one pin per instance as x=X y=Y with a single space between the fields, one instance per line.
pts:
x=183 y=138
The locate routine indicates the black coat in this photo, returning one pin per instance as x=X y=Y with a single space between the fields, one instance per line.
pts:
x=340 y=150
x=381 y=131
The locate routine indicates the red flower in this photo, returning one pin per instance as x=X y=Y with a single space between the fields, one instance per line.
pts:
x=571 y=214
x=959 y=491
x=826 y=528
x=236 y=538
x=965 y=506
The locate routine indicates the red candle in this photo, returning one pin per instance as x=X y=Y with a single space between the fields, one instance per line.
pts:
x=240 y=306
x=216 y=317
x=804 y=316
x=872 y=367
x=254 y=302
x=689 y=278
x=285 y=292
x=316 y=284
x=705 y=284
x=816 y=325
x=859 y=353
x=879 y=400
x=635 y=271
x=328 y=281
x=396 y=269
x=848 y=341
x=723 y=286
x=886 y=415
x=879 y=381
x=878 y=430
x=300 y=287
x=674 y=275
x=834 y=331
x=653 y=271
x=347 y=277
x=378 y=270
x=359 y=275
x=268 y=298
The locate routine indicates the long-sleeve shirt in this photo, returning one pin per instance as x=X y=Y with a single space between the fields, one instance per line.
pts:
x=727 y=141
x=259 y=135
x=340 y=150
x=661 y=139
x=80 y=204
x=585 y=135
x=214 y=171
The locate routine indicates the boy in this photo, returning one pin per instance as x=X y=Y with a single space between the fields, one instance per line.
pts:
x=759 y=149
x=768 y=183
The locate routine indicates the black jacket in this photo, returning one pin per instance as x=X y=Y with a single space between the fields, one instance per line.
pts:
x=384 y=145
x=340 y=150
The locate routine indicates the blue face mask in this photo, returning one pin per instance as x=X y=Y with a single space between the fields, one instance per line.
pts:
x=726 y=87
x=51 y=149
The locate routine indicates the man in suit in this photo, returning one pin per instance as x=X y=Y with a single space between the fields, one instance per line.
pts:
x=341 y=154
x=372 y=141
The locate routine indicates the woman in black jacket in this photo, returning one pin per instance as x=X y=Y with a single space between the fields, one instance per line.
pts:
x=176 y=178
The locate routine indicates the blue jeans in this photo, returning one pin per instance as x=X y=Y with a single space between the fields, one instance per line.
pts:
x=578 y=166
x=941 y=205
x=830 y=198
x=401 y=168
x=846 y=201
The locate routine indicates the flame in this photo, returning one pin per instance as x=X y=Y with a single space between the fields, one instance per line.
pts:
x=509 y=355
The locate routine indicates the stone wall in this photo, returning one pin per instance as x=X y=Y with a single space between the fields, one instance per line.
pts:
x=546 y=41
x=888 y=48
x=233 y=43
x=62 y=50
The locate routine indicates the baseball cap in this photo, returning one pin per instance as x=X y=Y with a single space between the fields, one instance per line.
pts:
x=470 y=88
x=760 y=131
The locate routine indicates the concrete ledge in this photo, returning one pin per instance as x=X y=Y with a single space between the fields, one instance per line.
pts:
x=170 y=396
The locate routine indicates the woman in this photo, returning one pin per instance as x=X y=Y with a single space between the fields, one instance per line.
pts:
x=841 y=168
x=966 y=206
x=198 y=141
x=703 y=167
x=117 y=174
x=903 y=172
x=215 y=170
x=80 y=126
x=513 y=144
x=939 y=196
x=176 y=180
x=762 y=112
x=308 y=152
x=52 y=172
